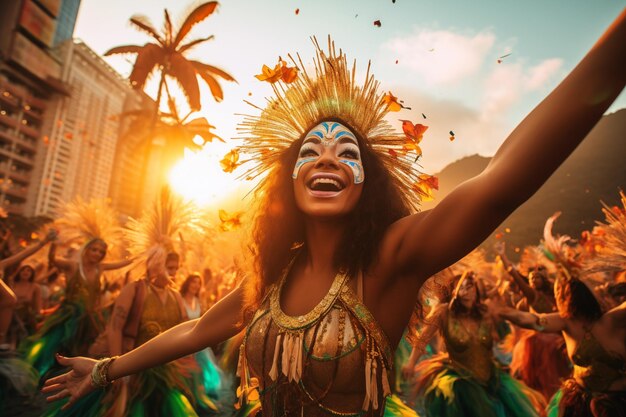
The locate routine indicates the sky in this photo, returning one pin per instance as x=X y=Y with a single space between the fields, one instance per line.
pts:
x=446 y=51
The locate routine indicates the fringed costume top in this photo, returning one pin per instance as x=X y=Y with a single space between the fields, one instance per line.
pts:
x=334 y=360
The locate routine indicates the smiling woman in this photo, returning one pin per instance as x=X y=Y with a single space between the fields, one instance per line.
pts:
x=325 y=319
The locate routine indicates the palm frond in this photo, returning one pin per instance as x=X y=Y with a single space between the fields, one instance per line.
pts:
x=184 y=73
x=150 y=56
x=124 y=49
x=214 y=86
x=196 y=16
x=202 y=67
x=143 y=24
x=168 y=29
x=193 y=43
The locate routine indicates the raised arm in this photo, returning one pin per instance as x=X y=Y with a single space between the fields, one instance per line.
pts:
x=519 y=279
x=25 y=253
x=427 y=242
x=221 y=322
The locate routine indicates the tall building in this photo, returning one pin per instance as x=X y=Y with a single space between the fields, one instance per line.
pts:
x=80 y=149
x=30 y=76
x=66 y=21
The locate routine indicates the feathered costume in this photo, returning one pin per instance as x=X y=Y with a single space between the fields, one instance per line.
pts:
x=466 y=381
x=74 y=326
x=177 y=388
x=588 y=393
x=540 y=359
x=340 y=332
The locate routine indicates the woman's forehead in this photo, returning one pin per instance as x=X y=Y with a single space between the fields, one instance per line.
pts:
x=330 y=132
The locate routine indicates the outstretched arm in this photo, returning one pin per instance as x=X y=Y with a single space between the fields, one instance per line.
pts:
x=25 y=253
x=547 y=323
x=221 y=322
x=427 y=242
x=116 y=265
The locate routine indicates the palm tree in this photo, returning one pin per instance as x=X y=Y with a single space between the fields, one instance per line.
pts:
x=167 y=55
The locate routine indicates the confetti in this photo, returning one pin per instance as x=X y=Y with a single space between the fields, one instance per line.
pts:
x=377 y=23
x=452 y=137
x=502 y=57
x=423 y=115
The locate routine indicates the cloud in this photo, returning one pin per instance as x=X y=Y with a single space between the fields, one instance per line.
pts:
x=508 y=82
x=539 y=75
x=473 y=135
x=441 y=56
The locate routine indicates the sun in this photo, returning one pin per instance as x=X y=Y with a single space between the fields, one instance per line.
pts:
x=198 y=176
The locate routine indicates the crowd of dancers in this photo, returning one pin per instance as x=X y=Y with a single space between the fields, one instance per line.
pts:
x=487 y=338
x=317 y=306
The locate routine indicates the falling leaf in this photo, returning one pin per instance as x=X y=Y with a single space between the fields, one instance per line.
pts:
x=377 y=23
x=393 y=104
x=451 y=136
x=230 y=161
x=249 y=93
x=297 y=11
x=396 y=61
x=423 y=115
x=414 y=134
x=230 y=221
x=289 y=74
x=270 y=75
x=425 y=186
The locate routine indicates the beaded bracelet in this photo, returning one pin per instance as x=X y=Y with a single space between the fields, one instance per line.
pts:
x=99 y=373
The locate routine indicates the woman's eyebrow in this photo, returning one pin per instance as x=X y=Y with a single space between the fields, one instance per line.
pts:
x=312 y=139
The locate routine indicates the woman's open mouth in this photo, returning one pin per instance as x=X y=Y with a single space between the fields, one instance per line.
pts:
x=325 y=185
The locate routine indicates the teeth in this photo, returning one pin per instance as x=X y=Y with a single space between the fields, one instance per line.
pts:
x=327 y=181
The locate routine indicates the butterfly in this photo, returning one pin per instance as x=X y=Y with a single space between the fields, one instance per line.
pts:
x=230 y=161
x=229 y=221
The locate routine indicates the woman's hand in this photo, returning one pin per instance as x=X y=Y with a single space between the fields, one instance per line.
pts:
x=74 y=384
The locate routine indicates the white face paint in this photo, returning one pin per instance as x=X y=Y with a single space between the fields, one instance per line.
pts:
x=331 y=135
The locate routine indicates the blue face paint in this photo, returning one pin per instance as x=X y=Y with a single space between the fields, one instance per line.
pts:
x=331 y=134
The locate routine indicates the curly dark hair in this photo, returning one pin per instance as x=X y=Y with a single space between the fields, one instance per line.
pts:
x=17 y=277
x=456 y=308
x=185 y=287
x=575 y=300
x=278 y=224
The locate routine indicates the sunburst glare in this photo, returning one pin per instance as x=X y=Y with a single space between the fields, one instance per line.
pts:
x=198 y=176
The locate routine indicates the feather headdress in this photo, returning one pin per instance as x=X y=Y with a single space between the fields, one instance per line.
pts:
x=610 y=255
x=332 y=92
x=82 y=221
x=161 y=228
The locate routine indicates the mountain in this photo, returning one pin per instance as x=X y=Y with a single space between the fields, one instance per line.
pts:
x=595 y=172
